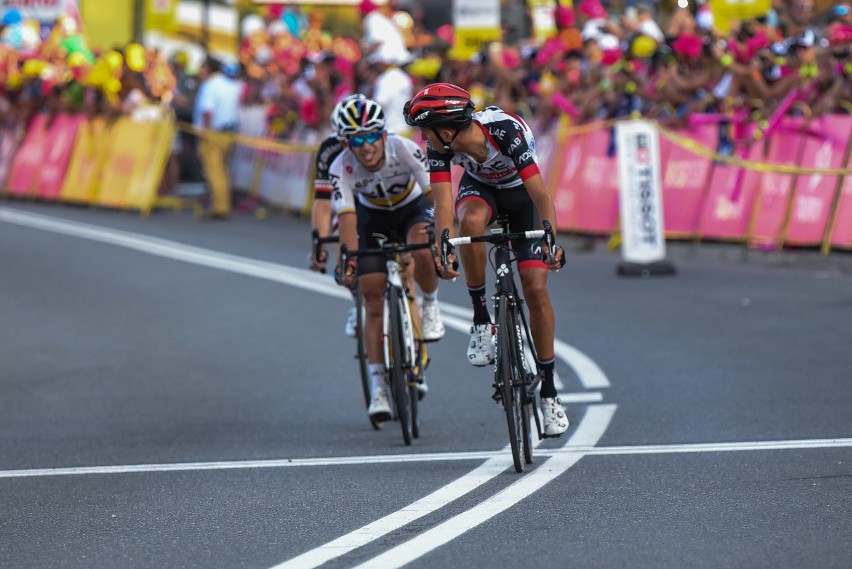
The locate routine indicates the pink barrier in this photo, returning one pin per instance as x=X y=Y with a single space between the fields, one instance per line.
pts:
x=62 y=136
x=841 y=237
x=684 y=177
x=26 y=166
x=824 y=147
x=774 y=189
x=41 y=161
x=727 y=210
x=8 y=147
x=586 y=197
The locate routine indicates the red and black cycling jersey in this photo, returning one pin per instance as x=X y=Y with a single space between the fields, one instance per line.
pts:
x=329 y=149
x=510 y=146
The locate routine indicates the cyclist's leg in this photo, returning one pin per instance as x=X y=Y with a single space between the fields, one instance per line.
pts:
x=475 y=208
x=371 y=279
x=533 y=273
x=420 y=220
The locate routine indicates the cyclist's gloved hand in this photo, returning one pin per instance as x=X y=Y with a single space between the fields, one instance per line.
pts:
x=347 y=276
x=318 y=265
x=558 y=258
x=447 y=263
x=552 y=254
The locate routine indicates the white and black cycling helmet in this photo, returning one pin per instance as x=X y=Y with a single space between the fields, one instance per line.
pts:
x=356 y=114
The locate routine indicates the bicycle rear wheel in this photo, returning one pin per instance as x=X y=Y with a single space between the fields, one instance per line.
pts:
x=361 y=355
x=511 y=379
x=397 y=368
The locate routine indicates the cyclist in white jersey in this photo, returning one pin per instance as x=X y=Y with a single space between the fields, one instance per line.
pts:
x=501 y=176
x=380 y=185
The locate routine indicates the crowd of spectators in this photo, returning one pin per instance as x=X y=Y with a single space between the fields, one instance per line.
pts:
x=596 y=65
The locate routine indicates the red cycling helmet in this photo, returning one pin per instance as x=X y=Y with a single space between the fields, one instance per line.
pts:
x=439 y=104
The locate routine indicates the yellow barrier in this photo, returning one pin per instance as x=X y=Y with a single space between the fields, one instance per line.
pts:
x=84 y=170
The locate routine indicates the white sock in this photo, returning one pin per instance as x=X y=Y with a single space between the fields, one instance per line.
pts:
x=429 y=297
x=377 y=377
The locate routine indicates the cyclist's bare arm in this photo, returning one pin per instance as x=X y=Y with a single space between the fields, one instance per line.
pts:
x=443 y=196
x=544 y=207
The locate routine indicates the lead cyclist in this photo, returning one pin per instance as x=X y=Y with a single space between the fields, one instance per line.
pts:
x=501 y=176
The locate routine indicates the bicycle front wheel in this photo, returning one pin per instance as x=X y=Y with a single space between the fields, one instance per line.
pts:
x=510 y=378
x=361 y=354
x=397 y=366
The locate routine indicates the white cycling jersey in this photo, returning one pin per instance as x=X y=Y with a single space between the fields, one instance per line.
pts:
x=402 y=179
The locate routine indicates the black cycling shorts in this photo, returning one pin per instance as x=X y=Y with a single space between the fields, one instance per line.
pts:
x=517 y=206
x=373 y=223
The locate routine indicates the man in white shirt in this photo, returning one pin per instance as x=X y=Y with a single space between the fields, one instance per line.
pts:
x=216 y=116
x=380 y=32
x=392 y=89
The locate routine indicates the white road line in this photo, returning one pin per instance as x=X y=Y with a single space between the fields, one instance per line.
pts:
x=456 y=489
x=591 y=429
x=714 y=447
x=588 y=373
x=571 y=447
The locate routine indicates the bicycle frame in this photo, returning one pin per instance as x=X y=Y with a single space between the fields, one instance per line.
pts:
x=398 y=332
x=515 y=377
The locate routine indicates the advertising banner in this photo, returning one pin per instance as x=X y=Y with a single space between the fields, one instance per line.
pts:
x=773 y=193
x=134 y=164
x=824 y=147
x=287 y=179
x=685 y=177
x=841 y=236
x=475 y=23
x=726 y=212
x=642 y=231
x=84 y=169
x=161 y=15
x=586 y=198
x=9 y=136
x=27 y=164
x=62 y=137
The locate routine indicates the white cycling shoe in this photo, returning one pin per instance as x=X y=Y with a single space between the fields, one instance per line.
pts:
x=555 y=419
x=480 y=351
x=433 y=327
x=379 y=409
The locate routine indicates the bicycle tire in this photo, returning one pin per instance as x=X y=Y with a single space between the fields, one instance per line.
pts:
x=510 y=381
x=396 y=368
x=361 y=355
x=414 y=392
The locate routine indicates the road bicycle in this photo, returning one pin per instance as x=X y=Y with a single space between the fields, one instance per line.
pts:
x=404 y=350
x=360 y=344
x=515 y=372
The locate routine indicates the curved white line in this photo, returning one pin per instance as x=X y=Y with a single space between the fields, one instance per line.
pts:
x=589 y=374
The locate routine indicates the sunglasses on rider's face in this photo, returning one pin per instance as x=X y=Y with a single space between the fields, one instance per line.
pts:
x=360 y=140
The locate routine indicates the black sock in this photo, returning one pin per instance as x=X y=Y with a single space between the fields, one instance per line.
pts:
x=480 y=305
x=545 y=370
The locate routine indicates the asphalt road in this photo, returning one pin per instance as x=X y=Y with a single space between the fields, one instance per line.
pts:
x=179 y=393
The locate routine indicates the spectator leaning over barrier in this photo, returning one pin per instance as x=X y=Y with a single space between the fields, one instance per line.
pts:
x=216 y=118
